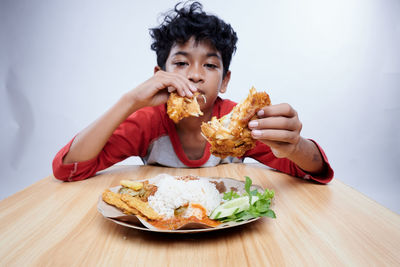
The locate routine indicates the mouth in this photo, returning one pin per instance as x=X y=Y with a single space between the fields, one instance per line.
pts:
x=202 y=97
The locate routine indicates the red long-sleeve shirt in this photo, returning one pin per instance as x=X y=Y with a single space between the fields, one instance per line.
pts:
x=150 y=134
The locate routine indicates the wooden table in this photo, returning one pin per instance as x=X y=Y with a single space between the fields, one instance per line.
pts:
x=52 y=223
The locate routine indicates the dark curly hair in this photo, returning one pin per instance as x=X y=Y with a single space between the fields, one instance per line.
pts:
x=180 y=24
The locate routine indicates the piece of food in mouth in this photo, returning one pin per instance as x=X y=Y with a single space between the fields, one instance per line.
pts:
x=179 y=107
x=229 y=135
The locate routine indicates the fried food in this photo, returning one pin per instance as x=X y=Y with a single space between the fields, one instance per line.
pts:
x=147 y=190
x=114 y=199
x=179 y=107
x=229 y=135
x=131 y=184
x=143 y=207
x=143 y=193
x=130 y=205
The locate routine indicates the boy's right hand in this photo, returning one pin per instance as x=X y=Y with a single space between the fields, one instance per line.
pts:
x=155 y=90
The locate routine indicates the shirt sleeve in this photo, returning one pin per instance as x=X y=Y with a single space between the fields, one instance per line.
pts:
x=131 y=138
x=263 y=154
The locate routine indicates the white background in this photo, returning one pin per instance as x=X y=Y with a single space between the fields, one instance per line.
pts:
x=63 y=63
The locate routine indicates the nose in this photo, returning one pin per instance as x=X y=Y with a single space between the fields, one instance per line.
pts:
x=195 y=73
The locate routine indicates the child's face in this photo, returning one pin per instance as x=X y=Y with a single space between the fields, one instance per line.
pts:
x=202 y=64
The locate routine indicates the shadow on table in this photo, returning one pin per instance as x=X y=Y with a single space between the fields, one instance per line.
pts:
x=222 y=235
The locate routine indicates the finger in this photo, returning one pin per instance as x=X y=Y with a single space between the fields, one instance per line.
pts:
x=276 y=135
x=179 y=87
x=189 y=88
x=176 y=89
x=173 y=82
x=291 y=124
x=192 y=88
x=188 y=92
x=284 y=110
x=186 y=86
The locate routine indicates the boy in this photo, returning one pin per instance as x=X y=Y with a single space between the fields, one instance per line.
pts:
x=194 y=51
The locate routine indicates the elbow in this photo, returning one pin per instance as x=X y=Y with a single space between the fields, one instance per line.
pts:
x=59 y=172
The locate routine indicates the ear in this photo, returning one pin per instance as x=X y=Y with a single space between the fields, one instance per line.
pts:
x=225 y=82
x=157 y=68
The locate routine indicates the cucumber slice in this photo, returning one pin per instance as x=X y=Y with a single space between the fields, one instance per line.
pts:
x=232 y=206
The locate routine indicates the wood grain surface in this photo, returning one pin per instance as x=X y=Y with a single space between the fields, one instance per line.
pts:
x=52 y=223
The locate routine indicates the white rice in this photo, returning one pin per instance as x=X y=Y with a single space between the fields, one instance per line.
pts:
x=172 y=194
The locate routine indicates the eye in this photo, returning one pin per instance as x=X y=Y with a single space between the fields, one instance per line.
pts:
x=180 y=63
x=211 y=66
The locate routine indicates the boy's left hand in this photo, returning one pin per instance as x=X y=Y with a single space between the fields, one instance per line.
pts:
x=279 y=128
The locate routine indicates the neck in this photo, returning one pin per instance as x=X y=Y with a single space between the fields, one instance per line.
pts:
x=192 y=124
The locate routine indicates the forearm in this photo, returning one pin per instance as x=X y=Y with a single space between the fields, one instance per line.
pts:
x=89 y=142
x=308 y=157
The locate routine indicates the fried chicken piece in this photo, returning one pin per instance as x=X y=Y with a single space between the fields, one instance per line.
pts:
x=179 y=107
x=143 y=207
x=114 y=199
x=229 y=135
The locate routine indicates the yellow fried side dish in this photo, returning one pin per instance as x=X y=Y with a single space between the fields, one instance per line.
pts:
x=131 y=184
x=130 y=205
x=179 y=107
x=114 y=199
x=143 y=207
x=229 y=135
